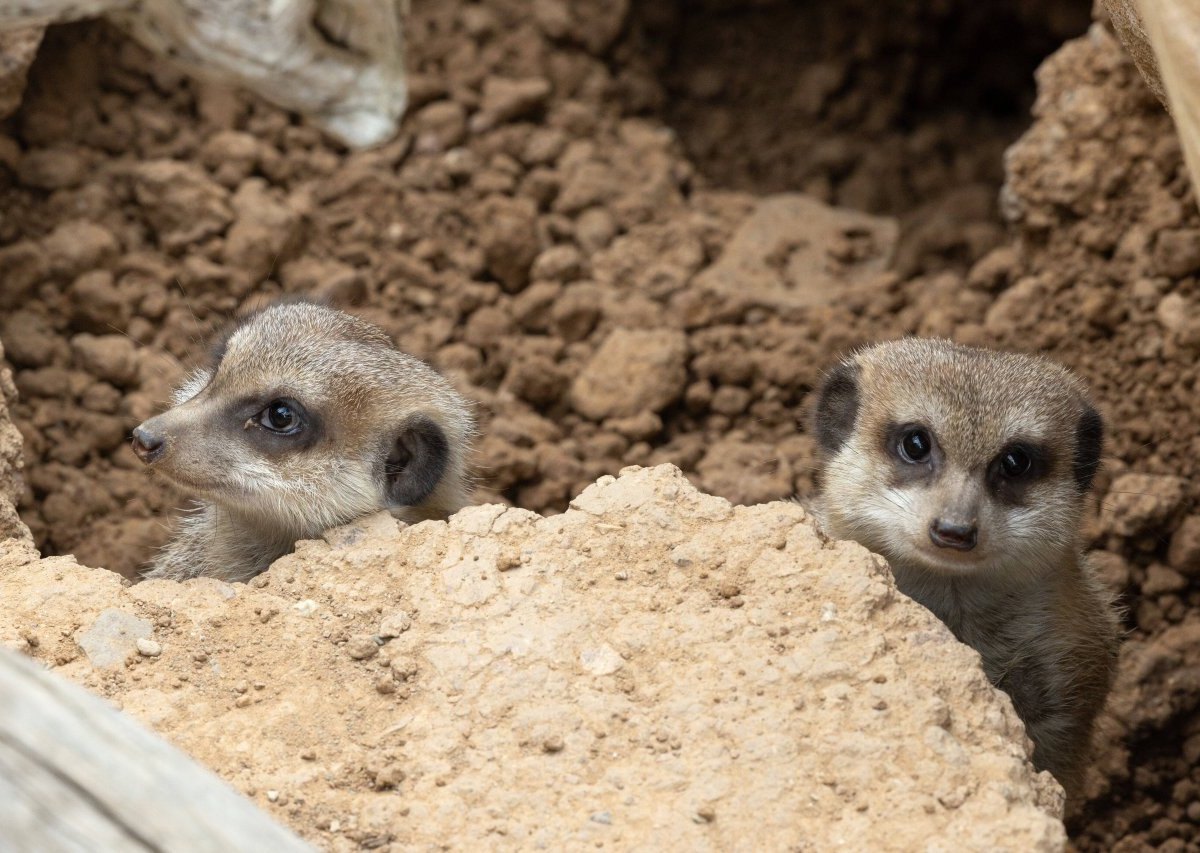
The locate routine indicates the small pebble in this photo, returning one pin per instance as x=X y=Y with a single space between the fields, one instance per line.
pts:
x=362 y=648
x=148 y=648
x=552 y=744
x=395 y=624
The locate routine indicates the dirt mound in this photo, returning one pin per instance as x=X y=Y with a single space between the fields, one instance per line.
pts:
x=654 y=667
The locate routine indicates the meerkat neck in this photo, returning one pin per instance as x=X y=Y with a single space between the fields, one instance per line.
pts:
x=213 y=542
x=988 y=597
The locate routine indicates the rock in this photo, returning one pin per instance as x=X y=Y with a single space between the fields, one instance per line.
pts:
x=439 y=126
x=595 y=229
x=112 y=358
x=52 y=169
x=1161 y=580
x=794 y=250
x=149 y=648
x=97 y=305
x=112 y=637
x=30 y=340
x=1142 y=503
x=1158 y=678
x=362 y=648
x=558 y=263
x=1184 y=552
x=1177 y=253
x=232 y=156
x=1113 y=569
x=395 y=624
x=505 y=99
x=22 y=266
x=545 y=642
x=183 y=205
x=17 y=50
x=632 y=371
x=507 y=231
x=79 y=246
x=750 y=472
x=264 y=233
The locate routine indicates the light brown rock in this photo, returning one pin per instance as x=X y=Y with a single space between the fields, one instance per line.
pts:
x=654 y=668
x=795 y=250
x=17 y=51
x=11 y=483
x=633 y=371
x=1141 y=503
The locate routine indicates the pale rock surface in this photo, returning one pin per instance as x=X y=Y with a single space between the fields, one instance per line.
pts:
x=653 y=669
x=11 y=526
x=18 y=48
x=633 y=371
x=795 y=250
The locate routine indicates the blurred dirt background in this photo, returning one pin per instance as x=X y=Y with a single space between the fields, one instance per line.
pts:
x=581 y=223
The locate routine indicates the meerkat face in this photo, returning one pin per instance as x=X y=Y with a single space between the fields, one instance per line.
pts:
x=955 y=459
x=307 y=418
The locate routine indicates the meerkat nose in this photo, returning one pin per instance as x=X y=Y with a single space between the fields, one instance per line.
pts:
x=951 y=534
x=147 y=445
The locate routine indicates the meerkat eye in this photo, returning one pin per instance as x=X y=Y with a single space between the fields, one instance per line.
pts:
x=915 y=445
x=1015 y=462
x=281 y=416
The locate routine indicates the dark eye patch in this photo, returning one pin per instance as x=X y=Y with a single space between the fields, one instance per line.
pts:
x=244 y=420
x=1015 y=468
x=914 y=450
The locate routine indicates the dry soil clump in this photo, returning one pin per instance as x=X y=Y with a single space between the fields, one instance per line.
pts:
x=655 y=667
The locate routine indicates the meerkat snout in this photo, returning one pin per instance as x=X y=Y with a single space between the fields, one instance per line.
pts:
x=147 y=445
x=306 y=418
x=969 y=470
x=951 y=534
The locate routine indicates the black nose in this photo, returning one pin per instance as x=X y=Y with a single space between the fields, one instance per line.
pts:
x=949 y=534
x=147 y=445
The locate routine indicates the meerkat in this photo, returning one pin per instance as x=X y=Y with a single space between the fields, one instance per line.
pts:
x=969 y=470
x=304 y=419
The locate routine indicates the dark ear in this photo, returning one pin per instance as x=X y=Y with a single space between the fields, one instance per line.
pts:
x=1089 y=440
x=416 y=461
x=837 y=407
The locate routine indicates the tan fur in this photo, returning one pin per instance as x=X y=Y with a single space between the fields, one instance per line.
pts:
x=1024 y=597
x=253 y=505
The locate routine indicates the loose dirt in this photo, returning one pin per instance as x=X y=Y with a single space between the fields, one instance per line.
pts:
x=572 y=188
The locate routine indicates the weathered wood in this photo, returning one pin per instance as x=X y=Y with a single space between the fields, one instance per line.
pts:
x=339 y=62
x=77 y=775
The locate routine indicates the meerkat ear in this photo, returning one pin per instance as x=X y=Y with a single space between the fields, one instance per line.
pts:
x=1089 y=441
x=416 y=461
x=837 y=407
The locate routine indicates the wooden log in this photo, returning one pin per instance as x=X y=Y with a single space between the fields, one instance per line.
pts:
x=77 y=775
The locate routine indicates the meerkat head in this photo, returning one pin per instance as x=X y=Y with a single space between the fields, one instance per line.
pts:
x=307 y=418
x=955 y=459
